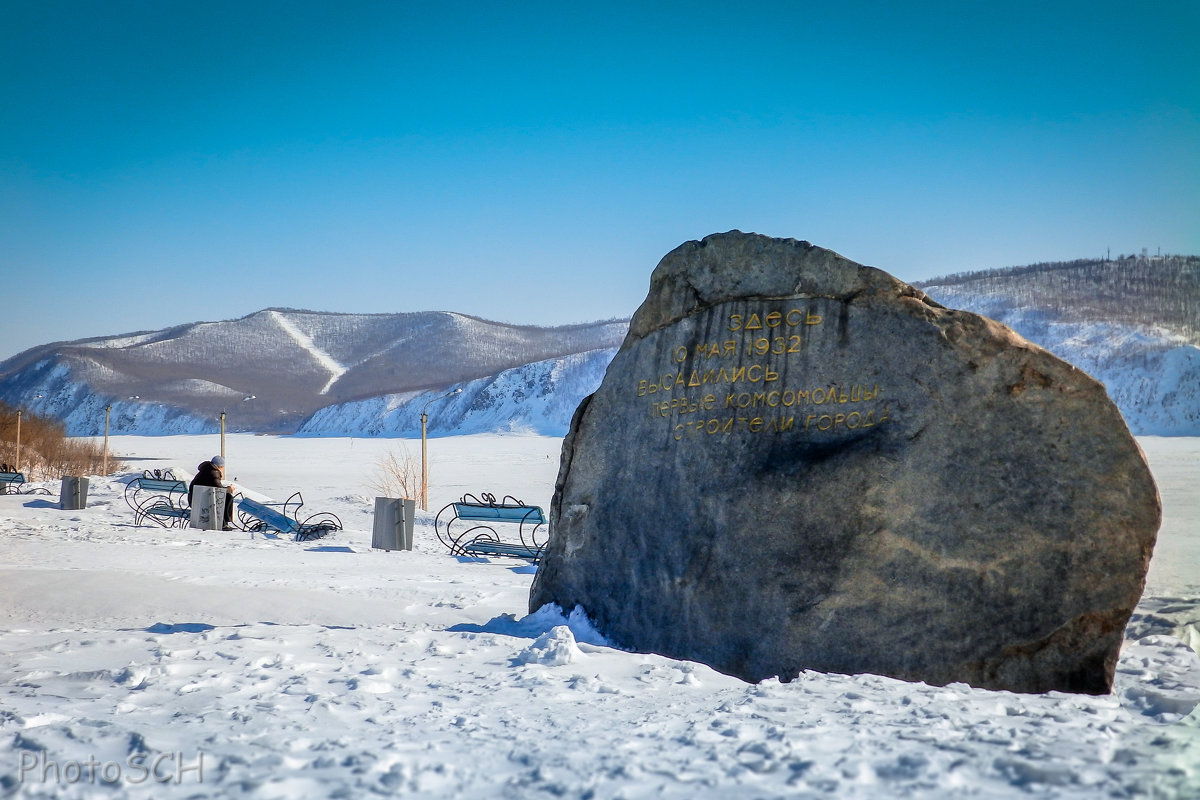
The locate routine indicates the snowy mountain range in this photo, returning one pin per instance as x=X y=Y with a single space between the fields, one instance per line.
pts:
x=1133 y=323
x=272 y=370
x=533 y=398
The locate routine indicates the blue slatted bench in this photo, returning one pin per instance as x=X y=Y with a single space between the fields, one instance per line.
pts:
x=256 y=516
x=14 y=479
x=159 y=497
x=11 y=478
x=483 y=539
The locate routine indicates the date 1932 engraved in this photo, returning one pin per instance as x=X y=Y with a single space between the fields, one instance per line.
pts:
x=723 y=406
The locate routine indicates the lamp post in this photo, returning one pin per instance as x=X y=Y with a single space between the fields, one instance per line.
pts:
x=107 y=411
x=35 y=397
x=424 y=462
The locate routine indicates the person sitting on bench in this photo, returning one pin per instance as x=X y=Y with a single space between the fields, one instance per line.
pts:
x=212 y=473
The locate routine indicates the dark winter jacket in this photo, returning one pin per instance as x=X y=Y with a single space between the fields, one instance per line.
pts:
x=206 y=475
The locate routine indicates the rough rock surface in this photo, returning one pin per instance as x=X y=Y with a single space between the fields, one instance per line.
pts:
x=796 y=462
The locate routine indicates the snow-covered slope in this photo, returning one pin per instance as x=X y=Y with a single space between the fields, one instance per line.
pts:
x=271 y=370
x=1151 y=371
x=238 y=666
x=533 y=398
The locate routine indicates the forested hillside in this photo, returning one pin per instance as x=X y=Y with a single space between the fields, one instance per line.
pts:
x=1133 y=323
x=1153 y=291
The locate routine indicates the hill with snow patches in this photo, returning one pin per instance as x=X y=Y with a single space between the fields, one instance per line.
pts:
x=271 y=370
x=533 y=398
x=1133 y=323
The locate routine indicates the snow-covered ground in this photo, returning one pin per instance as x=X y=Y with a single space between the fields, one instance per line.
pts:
x=141 y=662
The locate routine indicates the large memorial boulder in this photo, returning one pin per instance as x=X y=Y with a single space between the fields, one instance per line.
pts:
x=796 y=462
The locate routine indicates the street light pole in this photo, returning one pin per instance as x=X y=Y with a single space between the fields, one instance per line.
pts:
x=222 y=435
x=424 y=460
x=107 y=411
x=35 y=397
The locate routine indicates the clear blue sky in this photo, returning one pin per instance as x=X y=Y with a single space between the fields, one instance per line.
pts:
x=165 y=162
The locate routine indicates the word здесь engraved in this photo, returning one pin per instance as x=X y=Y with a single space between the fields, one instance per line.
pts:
x=685 y=403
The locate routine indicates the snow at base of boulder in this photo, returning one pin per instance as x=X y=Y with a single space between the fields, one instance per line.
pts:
x=229 y=664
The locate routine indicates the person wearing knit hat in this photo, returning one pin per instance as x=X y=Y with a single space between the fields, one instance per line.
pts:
x=212 y=473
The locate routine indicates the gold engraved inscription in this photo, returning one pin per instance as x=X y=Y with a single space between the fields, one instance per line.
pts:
x=707 y=399
x=773 y=319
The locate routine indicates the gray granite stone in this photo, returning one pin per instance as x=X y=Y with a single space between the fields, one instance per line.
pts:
x=796 y=462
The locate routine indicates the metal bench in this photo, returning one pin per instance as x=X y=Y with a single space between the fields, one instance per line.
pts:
x=259 y=517
x=159 y=497
x=11 y=482
x=483 y=539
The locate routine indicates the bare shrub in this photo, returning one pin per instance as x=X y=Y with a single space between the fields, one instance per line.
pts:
x=397 y=474
x=47 y=453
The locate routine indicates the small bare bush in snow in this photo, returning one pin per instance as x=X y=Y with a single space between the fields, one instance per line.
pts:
x=397 y=474
x=46 y=452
